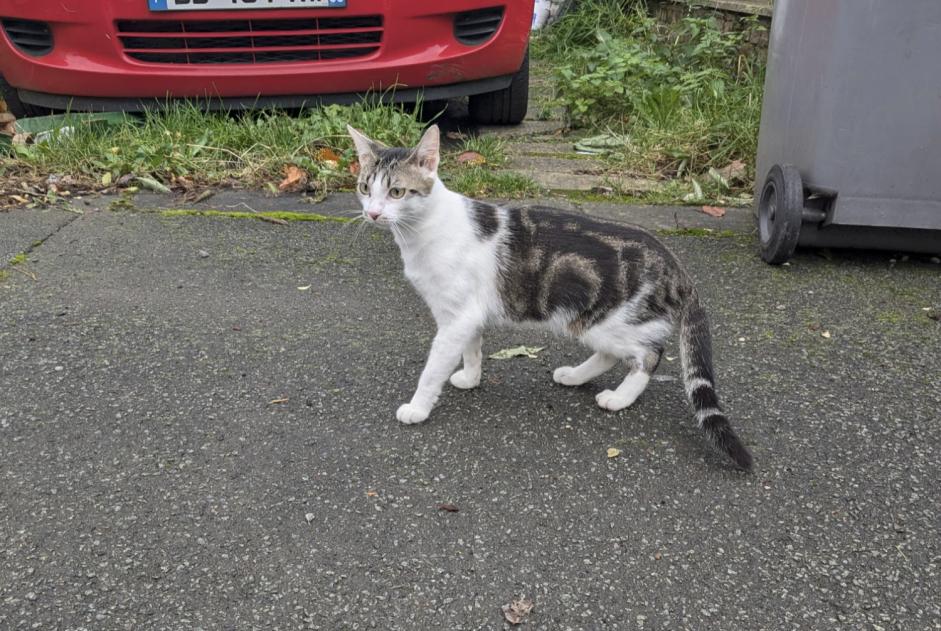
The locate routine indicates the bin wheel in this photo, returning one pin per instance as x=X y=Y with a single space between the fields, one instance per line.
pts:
x=780 y=210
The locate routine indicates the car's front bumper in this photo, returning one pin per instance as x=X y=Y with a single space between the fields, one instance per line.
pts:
x=89 y=64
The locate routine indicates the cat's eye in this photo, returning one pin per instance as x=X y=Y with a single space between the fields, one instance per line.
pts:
x=363 y=188
x=396 y=193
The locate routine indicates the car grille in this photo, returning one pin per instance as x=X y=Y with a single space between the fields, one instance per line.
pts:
x=476 y=27
x=32 y=38
x=250 y=41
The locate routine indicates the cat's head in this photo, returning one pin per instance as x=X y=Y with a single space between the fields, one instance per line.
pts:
x=394 y=183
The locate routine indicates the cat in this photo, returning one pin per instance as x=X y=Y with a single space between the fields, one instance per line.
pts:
x=614 y=287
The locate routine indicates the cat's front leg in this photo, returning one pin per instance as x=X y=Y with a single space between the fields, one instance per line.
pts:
x=446 y=350
x=469 y=376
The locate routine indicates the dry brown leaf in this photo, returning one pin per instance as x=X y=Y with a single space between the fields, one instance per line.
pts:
x=517 y=610
x=734 y=171
x=354 y=168
x=295 y=179
x=613 y=452
x=471 y=158
x=326 y=154
x=448 y=508
x=6 y=117
x=371 y=494
x=714 y=211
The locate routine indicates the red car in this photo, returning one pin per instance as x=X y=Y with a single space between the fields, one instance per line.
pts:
x=131 y=54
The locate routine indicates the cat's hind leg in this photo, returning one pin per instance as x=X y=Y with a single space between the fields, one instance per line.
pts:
x=469 y=376
x=634 y=383
x=597 y=364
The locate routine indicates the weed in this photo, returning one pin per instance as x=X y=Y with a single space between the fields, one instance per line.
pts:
x=480 y=181
x=684 y=96
x=19 y=259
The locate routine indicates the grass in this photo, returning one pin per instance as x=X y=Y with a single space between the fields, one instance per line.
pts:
x=680 y=99
x=184 y=145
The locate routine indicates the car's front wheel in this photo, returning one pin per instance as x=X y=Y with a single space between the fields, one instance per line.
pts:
x=503 y=107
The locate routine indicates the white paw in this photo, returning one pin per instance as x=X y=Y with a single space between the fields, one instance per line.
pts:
x=611 y=400
x=566 y=376
x=461 y=379
x=410 y=414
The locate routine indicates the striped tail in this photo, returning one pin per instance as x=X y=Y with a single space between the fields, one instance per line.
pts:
x=698 y=378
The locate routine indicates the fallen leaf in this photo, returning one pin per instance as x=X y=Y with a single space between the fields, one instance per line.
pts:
x=325 y=154
x=734 y=171
x=613 y=452
x=714 y=211
x=294 y=180
x=153 y=185
x=106 y=179
x=471 y=158
x=354 y=168
x=448 y=508
x=825 y=334
x=718 y=178
x=517 y=610
x=601 y=144
x=201 y=196
x=304 y=288
x=371 y=494
x=518 y=351
x=696 y=194
x=278 y=401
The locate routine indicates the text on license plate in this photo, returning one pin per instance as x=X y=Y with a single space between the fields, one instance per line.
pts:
x=217 y=5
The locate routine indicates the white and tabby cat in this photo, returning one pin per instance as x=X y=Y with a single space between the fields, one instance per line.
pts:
x=613 y=287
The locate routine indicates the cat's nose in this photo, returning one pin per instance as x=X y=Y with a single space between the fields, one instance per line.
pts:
x=374 y=214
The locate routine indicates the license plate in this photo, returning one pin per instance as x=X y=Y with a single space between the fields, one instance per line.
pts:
x=218 y=5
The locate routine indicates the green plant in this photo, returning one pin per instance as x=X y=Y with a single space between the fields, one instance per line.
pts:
x=687 y=95
x=184 y=141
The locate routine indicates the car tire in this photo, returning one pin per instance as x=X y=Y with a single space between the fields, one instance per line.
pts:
x=14 y=105
x=780 y=213
x=503 y=107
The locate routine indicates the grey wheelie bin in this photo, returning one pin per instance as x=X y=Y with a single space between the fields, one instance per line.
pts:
x=849 y=152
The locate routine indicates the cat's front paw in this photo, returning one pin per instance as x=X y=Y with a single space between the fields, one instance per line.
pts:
x=461 y=379
x=565 y=375
x=611 y=400
x=411 y=414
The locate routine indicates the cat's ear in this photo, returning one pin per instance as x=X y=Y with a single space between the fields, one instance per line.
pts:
x=365 y=147
x=428 y=152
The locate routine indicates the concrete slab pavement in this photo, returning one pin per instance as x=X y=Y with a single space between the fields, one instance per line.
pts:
x=195 y=442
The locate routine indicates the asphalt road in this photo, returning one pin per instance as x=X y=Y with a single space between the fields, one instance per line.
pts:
x=188 y=440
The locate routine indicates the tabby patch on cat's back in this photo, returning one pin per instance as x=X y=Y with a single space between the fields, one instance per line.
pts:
x=613 y=287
